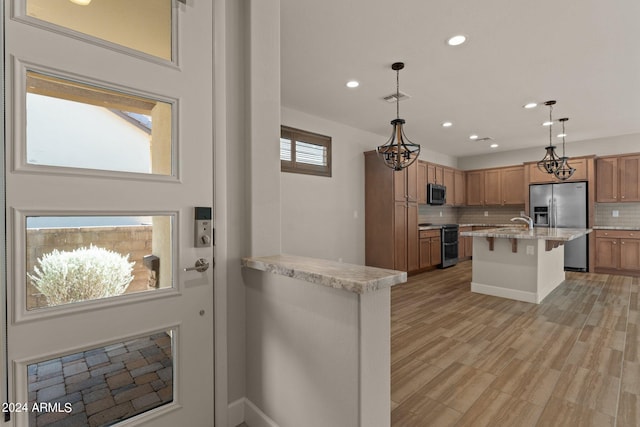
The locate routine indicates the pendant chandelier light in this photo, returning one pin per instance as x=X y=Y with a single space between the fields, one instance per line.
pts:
x=398 y=152
x=550 y=162
x=564 y=170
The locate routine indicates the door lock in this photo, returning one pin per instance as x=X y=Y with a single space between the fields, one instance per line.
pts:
x=200 y=266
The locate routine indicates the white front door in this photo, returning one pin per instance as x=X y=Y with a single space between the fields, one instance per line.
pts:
x=108 y=152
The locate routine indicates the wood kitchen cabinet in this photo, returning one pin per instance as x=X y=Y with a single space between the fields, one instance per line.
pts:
x=617 y=252
x=580 y=164
x=435 y=174
x=449 y=182
x=475 y=188
x=452 y=179
x=496 y=187
x=430 y=248
x=422 y=182
x=391 y=215
x=459 y=186
x=618 y=179
x=465 y=244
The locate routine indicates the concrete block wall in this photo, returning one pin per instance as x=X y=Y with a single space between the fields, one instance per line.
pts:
x=134 y=241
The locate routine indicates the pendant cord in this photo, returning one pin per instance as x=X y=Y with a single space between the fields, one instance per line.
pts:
x=550 y=125
x=563 y=155
x=397 y=94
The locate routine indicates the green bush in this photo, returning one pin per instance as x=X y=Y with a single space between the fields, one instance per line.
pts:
x=82 y=274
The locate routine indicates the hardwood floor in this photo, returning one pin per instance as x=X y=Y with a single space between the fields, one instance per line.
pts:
x=465 y=359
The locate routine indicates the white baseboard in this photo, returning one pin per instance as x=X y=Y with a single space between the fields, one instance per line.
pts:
x=497 y=291
x=235 y=412
x=243 y=410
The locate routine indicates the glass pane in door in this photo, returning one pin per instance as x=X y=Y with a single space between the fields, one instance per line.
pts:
x=72 y=124
x=142 y=25
x=102 y=385
x=71 y=259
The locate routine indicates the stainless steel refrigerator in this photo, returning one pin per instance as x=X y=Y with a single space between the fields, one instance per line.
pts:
x=563 y=205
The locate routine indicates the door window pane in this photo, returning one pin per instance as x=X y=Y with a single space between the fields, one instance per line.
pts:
x=76 y=125
x=73 y=259
x=103 y=385
x=143 y=25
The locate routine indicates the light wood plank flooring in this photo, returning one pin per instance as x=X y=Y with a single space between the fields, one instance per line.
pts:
x=465 y=359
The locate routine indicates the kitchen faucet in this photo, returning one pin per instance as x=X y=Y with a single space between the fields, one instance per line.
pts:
x=524 y=218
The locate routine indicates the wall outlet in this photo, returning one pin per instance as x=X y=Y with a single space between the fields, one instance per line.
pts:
x=440 y=213
x=486 y=213
x=615 y=214
x=530 y=250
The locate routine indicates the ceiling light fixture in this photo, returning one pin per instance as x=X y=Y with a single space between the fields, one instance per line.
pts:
x=473 y=137
x=352 y=84
x=547 y=123
x=447 y=124
x=81 y=2
x=457 y=40
x=530 y=105
x=494 y=146
x=398 y=152
x=550 y=162
x=564 y=171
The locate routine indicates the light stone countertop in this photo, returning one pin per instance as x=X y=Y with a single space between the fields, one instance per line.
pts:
x=615 y=227
x=557 y=234
x=439 y=226
x=359 y=279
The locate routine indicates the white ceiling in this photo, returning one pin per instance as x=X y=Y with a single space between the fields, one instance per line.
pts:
x=583 y=53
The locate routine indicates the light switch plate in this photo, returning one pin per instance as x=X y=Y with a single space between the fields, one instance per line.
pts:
x=615 y=214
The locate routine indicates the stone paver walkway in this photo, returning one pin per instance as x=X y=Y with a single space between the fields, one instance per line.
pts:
x=103 y=385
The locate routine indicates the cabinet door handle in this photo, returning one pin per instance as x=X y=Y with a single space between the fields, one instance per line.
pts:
x=622 y=197
x=622 y=243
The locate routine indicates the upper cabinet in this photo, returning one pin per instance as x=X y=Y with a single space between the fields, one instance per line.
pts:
x=460 y=186
x=452 y=179
x=580 y=164
x=618 y=179
x=496 y=187
x=435 y=174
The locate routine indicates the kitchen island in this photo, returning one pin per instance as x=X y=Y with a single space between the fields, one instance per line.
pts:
x=518 y=263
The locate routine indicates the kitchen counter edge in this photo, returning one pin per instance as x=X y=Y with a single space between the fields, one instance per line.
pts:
x=359 y=279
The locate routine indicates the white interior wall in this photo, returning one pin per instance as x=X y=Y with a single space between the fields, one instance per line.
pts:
x=323 y=217
x=600 y=147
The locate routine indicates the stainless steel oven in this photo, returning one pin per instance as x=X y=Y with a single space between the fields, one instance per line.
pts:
x=449 y=239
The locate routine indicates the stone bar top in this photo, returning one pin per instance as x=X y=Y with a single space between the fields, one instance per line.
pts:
x=555 y=234
x=359 y=279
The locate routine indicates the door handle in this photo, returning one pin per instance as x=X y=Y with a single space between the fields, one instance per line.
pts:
x=200 y=266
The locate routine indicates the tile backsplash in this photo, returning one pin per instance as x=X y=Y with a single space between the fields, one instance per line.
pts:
x=628 y=214
x=495 y=214
x=468 y=215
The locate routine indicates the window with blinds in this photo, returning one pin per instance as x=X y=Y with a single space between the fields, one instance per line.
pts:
x=304 y=152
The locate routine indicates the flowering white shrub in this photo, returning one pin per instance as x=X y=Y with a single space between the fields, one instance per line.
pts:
x=82 y=274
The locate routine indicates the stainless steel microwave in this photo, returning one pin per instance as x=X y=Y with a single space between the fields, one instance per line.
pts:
x=436 y=194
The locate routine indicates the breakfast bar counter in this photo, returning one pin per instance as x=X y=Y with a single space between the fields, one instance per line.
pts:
x=519 y=263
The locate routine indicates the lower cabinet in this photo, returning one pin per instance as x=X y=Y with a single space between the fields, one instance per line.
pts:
x=465 y=244
x=430 y=248
x=618 y=251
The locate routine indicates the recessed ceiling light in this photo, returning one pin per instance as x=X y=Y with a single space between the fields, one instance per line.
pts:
x=474 y=136
x=447 y=124
x=81 y=2
x=457 y=40
x=561 y=135
x=547 y=123
x=530 y=105
x=352 y=84
x=494 y=146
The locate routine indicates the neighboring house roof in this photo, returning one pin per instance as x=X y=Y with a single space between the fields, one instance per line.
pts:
x=141 y=121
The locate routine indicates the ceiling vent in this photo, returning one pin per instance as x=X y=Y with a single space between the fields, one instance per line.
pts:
x=392 y=98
